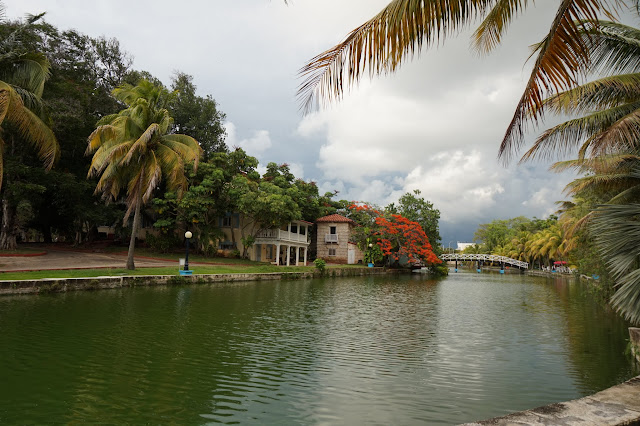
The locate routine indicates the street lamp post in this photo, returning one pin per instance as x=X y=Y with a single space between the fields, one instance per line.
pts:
x=188 y=236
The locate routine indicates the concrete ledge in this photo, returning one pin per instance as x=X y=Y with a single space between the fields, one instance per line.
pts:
x=60 y=285
x=618 y=405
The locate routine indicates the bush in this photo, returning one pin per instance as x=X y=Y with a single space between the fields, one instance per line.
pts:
x=163 y=243
x=320 y=265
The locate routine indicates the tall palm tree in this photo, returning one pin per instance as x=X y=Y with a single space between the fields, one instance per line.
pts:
x=403 y=27
x=22 y=77
x=519 y=243
x=607 y=137
x=132 y=151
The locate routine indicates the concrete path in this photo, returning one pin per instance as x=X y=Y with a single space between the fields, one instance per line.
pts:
x=618 y=405
x=66 y=259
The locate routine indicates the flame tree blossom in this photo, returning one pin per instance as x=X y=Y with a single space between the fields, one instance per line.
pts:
x=396 y=235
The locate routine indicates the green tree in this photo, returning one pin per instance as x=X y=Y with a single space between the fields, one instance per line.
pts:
x=133 y=151
x=84 y=71
x=23 y=73
x=403 y=27
x=206 y=200
x=417 y=209
x=264 y=205
x=196 y=116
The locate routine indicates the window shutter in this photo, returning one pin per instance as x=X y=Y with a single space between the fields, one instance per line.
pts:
x=236 y=220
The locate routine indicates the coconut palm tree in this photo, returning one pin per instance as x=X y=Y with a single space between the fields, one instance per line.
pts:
x=133 y=152
x=617 y=233
x=403 y=27
x=22 y=77
x=519 y=244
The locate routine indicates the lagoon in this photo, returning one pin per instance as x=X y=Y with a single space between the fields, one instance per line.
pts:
x=364 y=350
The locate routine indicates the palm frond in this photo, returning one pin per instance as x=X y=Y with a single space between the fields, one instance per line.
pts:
x=562 y=57
x=617 y=231
x=600 y=94
x=614 y=47
x=621 y=136
x=381 y=44
x=593 y=130
x=489 y=34
x=139 y=147
x=28 y=125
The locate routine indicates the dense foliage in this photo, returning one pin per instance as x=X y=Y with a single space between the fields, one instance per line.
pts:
x=384 y=233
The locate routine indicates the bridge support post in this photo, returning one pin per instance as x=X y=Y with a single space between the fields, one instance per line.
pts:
x=502 y=267
x=456 y=269
x=479 y=267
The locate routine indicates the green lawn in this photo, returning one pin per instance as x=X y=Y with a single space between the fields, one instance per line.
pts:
x=25 y=250
x=215 y=265
x=197 y=269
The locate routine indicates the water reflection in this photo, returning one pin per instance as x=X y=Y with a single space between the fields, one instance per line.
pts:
x=381 y=350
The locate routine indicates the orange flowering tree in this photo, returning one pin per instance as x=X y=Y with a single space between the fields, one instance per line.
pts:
x=396 y=235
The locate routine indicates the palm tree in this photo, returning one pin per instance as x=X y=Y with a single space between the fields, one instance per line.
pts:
x=132 y=151
x=22 y=77
x=617 y=233
x=607 y=136
x=519 y=244
x=400 y=30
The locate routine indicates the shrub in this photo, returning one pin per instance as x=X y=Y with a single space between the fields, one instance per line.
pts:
x=320 y=265
x=163 y=242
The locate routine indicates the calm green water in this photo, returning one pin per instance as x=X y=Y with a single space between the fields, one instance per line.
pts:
x=382 y=350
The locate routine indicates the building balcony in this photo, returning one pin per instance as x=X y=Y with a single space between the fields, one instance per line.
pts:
x=272 y=236
x=331 y=238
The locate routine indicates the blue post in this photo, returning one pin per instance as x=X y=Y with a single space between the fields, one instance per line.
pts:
x=186 y=257
x=456 y=270
x=502 y=267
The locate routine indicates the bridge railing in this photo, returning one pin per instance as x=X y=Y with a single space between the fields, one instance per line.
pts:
x=485 y=257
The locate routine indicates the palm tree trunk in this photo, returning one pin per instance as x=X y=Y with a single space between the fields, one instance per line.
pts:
x=8 y=231
x=134 y=232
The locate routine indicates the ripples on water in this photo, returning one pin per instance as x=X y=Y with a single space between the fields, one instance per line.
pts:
x=378 y=350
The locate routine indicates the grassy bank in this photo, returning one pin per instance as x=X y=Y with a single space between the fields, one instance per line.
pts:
x=167 y=270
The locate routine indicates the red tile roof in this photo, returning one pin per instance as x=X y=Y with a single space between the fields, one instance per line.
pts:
x=335 y=218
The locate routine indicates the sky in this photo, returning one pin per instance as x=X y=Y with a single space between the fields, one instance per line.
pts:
x=435 y=125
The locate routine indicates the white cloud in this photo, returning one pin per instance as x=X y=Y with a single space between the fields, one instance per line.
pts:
x=254 y=146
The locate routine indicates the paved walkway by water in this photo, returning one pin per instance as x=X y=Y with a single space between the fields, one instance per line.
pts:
x=71 y=259
x=618 y=405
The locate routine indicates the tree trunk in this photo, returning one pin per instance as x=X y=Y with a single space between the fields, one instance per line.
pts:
x=134 y=232
x=8 y=228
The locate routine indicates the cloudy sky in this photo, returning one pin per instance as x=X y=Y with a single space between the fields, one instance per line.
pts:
x=434 y=126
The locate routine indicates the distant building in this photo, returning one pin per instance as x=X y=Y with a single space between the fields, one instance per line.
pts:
x=462 y=246
x=333 y=240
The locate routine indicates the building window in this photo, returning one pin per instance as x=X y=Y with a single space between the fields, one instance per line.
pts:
x=226 y=222
x=294 y=229
x=303 y=230
x=332 y=230
x=332 y=252
x=227 y=245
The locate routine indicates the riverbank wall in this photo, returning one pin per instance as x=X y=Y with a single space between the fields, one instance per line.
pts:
x=61 y=285
x=618 y=405
x=538 y=273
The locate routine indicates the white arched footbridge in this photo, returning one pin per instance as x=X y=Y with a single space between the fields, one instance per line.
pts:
x=473 y=257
